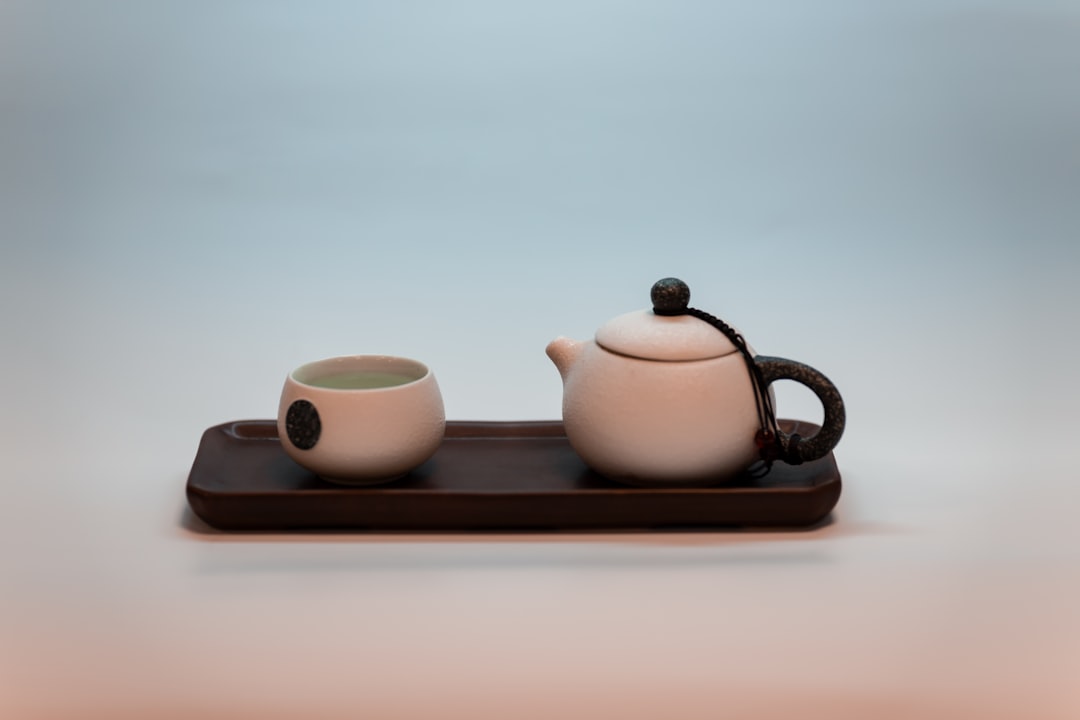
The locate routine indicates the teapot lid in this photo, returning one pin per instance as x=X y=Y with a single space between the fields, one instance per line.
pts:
x=665 y=332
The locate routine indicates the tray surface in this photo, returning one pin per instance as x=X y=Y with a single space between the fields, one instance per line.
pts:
x=487 y=475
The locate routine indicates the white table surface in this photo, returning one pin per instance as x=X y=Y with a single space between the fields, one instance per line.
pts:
x=197 y=197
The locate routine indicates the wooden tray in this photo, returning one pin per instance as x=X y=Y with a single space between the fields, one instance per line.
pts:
x=487 y=476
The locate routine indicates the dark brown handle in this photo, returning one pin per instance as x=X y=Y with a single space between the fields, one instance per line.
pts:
x=832 y=427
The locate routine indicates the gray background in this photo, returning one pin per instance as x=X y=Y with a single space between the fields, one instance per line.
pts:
x=196 y=197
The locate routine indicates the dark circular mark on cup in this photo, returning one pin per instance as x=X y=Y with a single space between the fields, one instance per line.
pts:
x=302 y=424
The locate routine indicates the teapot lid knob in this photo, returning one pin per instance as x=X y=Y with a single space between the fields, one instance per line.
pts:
x=670 y=296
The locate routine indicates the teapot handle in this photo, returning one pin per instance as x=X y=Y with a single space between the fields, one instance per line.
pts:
x=832 y=427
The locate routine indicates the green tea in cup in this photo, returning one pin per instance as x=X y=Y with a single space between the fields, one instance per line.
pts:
x=360 y=380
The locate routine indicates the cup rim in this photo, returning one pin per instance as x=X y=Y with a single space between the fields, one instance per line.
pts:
x=343 y=363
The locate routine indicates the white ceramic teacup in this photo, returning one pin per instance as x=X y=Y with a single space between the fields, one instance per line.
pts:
x=361 y=419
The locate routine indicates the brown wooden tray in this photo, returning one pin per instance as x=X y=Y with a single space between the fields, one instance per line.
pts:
x=487 y=476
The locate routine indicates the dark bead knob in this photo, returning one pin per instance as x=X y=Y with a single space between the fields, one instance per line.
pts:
x=670 y=296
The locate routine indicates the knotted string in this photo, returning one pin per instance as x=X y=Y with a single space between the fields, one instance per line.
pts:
x=670 y=297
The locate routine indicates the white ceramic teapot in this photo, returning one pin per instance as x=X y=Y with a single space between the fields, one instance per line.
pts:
x=673 y=396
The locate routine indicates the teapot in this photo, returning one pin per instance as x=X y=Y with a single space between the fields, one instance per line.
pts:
x=674 y=397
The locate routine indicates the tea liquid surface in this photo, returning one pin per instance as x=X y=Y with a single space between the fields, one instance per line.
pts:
x=360 y=380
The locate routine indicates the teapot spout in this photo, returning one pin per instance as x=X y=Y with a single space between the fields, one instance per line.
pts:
x=564 y=352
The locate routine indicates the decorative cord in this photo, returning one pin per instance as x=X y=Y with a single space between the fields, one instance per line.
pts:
x=670 y=297
x=767 y=435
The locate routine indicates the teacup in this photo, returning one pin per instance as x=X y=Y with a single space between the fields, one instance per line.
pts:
x=361 y=419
